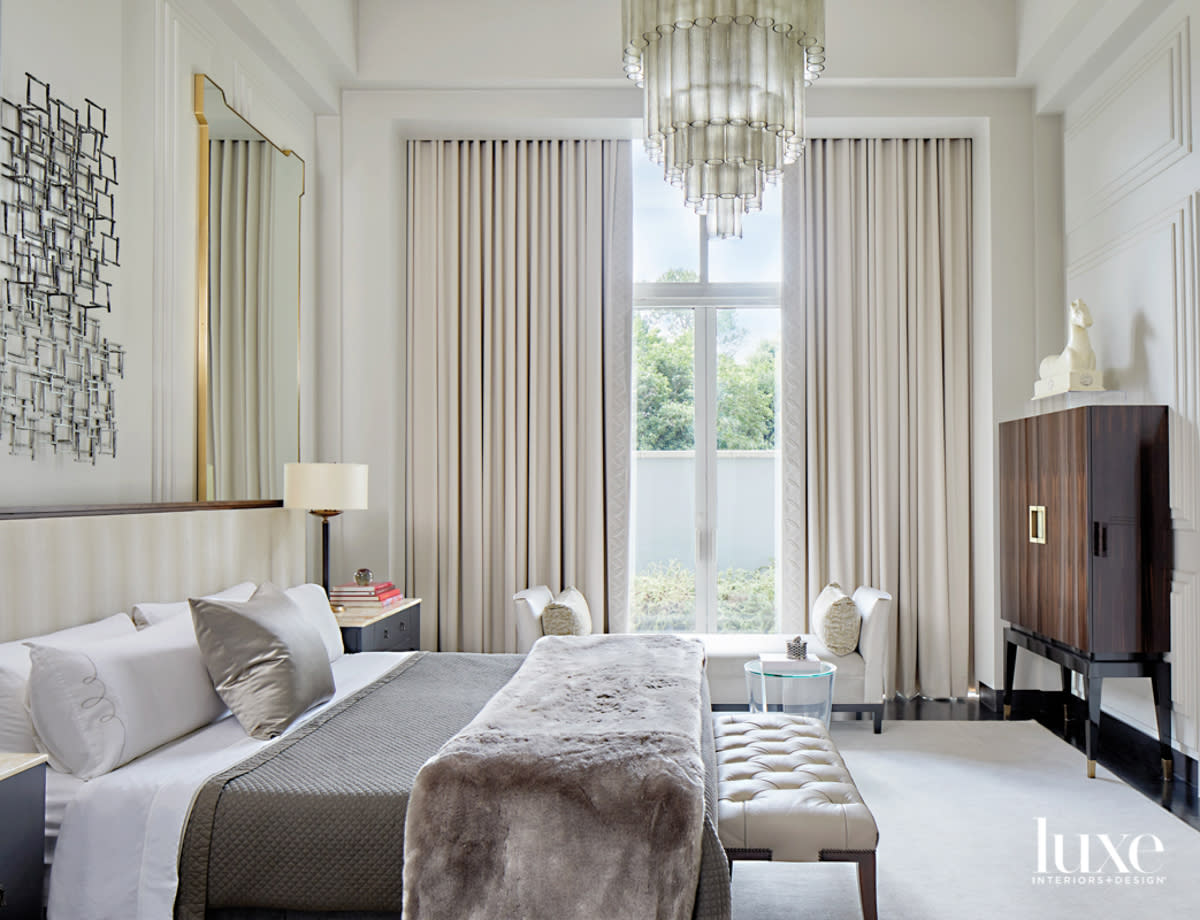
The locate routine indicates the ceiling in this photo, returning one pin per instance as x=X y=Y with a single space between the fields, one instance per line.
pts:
x=328 y=46
x=536 y=43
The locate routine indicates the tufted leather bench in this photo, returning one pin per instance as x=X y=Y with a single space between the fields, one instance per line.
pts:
x=786 y=794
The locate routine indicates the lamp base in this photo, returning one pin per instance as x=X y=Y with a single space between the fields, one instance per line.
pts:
x=325 y=515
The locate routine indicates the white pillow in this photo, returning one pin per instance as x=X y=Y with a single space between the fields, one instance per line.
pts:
x=97 y=708
x=314 y=604
x=16 y=731
x=149 y=614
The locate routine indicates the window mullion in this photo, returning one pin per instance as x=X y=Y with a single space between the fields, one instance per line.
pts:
x=706 y=468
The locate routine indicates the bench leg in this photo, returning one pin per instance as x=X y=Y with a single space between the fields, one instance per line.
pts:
x=866 y=876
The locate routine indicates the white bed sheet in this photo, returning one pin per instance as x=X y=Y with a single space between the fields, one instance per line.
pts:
x=118 y=844
x=61 y=788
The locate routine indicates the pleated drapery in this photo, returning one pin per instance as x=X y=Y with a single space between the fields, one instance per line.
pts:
x=518 y=349
x=242 y=366
x=876 y=440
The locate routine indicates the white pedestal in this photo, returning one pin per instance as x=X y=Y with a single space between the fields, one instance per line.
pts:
x=1073 y=399
x=1069 y=382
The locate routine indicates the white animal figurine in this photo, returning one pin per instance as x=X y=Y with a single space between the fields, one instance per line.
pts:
x=1075 y=367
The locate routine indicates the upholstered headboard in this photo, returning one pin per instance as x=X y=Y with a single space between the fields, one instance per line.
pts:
x=62 y=571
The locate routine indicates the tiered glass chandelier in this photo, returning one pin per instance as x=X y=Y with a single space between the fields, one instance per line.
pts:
x=724 y=83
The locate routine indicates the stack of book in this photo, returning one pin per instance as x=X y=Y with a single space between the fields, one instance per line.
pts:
x=377 y=597
x=779 y=663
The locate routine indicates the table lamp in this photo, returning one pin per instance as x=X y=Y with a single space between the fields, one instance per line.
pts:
x=326 y=490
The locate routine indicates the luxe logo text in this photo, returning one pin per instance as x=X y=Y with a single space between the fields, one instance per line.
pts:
x=1097 y=859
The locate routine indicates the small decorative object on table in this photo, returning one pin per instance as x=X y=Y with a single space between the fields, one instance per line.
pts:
x=364 y=577
x=797 y=648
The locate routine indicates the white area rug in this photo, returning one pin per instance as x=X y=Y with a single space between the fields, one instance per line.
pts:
x=957 y=805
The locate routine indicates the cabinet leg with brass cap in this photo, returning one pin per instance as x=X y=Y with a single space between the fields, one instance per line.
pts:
x=1010 y=670
x=1091 y=731
x=1160 y=683
x=1094 y=669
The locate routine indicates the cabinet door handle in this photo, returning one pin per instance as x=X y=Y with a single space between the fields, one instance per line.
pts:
x=1103 y=539
x=1037 y=523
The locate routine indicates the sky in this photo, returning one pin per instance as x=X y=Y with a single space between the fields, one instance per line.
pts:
x=666 y=235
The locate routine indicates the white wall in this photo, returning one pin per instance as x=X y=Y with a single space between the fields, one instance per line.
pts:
x=1038 y=21
x=485 y=44
x=477 y=43
x=137 y=57
x=335 y=24
x=921 y=39
x=78 y=49
x=1131 y=207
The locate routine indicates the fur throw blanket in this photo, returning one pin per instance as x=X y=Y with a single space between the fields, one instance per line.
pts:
x=577 y=792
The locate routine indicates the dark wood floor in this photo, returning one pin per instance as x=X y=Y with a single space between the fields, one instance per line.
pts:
x=1125 y=751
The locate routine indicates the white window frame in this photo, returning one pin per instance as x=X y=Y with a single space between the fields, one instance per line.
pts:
x=705 y=298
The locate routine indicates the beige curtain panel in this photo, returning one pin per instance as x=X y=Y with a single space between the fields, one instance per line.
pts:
x=243 y=368
x=876 y=443
x=519 y=323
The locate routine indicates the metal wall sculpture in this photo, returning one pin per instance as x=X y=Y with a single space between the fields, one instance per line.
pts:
x=57 y=236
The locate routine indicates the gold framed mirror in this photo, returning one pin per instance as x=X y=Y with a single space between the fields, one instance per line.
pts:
x=248 y=304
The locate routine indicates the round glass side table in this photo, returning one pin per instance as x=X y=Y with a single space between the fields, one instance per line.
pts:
x=780 y=690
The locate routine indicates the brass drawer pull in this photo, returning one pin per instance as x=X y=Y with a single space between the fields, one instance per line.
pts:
x=1037 y=523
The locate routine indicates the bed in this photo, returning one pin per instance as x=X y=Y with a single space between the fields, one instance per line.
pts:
x=114 y=843
x=116 y=850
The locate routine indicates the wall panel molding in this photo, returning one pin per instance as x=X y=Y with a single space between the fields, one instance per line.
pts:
x=1120 y=142
x=165 y=460
x=1180 y=222
x=1185 y=417
x=1185 y=657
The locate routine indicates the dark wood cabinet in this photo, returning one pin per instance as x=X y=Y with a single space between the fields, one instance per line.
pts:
x=1085 y=546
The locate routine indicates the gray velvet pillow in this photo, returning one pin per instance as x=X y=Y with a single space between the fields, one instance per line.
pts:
x=266 y=660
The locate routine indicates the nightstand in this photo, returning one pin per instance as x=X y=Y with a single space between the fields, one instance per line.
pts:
x=398 y=630
x=22 y=835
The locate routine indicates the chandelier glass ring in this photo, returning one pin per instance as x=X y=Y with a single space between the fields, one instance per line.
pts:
x=724 y=85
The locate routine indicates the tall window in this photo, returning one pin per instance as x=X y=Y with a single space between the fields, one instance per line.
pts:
x=706 y=378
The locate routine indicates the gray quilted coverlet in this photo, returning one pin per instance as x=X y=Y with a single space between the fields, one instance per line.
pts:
x=313 y=826
x=317 y=819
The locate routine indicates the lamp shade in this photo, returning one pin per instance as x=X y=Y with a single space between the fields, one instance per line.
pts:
x=325 y=486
